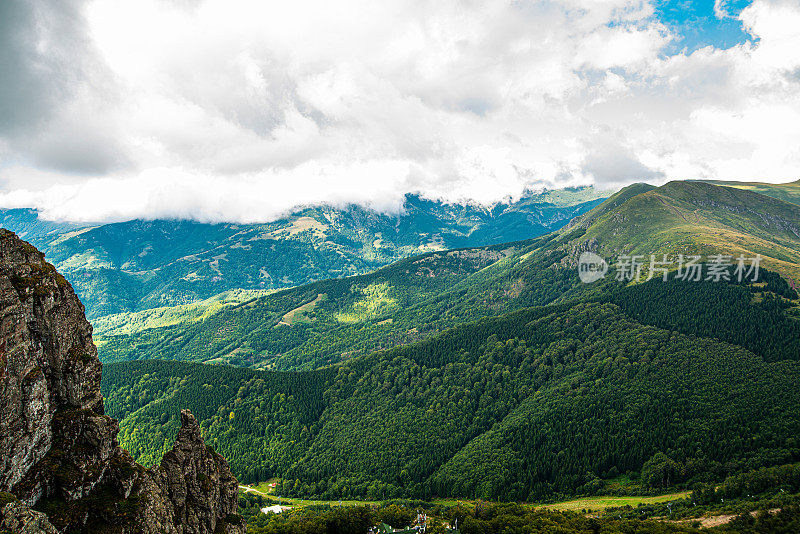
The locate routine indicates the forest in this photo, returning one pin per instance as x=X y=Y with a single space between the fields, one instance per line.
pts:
x=539 y=402
x=505 y=518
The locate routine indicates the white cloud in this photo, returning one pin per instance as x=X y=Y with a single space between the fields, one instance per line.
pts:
x=241 y=109
x=721 y=9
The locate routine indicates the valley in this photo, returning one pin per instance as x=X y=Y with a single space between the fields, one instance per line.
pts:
x=491 y=373
x=587 y=505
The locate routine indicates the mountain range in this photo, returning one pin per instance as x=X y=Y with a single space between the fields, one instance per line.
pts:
x=493 y=371
x=326 y=322
x=484 y=371
x=143 y=264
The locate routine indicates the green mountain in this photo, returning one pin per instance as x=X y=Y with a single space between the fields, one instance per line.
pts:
x=789 y=192
x=327 y=322
x=493 y=372
x=136 y=265
x=547 y=400
x=699 y=218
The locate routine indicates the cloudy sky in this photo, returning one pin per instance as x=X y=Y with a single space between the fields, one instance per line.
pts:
x=240 y=109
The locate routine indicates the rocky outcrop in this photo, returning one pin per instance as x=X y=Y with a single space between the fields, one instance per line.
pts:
x=18 y=517
x=200 y=486
x=59 y=451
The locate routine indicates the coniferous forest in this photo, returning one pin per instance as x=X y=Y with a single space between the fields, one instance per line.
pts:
x=668 y=383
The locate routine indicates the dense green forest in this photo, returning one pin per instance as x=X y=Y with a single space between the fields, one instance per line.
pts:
x=275 y=410
x=760 y=317
x=543 y=401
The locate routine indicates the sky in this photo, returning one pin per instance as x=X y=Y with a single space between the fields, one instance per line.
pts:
x=239 y=110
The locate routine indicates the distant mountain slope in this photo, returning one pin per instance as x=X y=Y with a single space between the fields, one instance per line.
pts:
x=38 y=232
x=789 y=192
x=699 y=218
x=135 y=265
x=411 y=300
x=541 y=401
x=283 y=329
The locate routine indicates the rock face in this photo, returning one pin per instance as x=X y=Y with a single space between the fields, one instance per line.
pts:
x=17 y=517
x=196 y=478
x=59 y=451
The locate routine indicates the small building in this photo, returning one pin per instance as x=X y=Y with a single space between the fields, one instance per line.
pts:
x=274 y=509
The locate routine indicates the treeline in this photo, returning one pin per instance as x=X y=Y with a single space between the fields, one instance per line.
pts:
x=782 y=478
x=487 y=518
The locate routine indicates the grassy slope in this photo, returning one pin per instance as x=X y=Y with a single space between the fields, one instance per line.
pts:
x=789 y=192
x=698 y=218
x=131 y=322
x=412 y=299
x=607 y=501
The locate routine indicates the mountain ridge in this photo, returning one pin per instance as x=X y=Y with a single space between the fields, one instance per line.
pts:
x=164 y=262
x=640 y=220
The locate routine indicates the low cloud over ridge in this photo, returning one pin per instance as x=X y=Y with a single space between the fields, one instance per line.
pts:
x=238 y=110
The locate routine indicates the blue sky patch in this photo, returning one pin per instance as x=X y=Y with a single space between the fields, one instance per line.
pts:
x=697 y=25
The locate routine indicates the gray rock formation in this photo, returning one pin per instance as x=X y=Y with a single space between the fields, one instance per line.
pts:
x=194 y=476
x=59 y=451
x=17 y=517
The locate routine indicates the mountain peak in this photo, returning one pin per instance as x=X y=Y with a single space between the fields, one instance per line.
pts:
x=189 y=424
